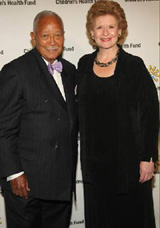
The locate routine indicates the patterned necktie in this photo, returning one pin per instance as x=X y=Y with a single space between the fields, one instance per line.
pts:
x=55 y=66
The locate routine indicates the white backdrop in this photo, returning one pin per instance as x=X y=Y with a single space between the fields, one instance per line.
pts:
x=16 y=17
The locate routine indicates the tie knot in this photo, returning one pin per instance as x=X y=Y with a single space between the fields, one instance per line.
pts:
x=55 y=66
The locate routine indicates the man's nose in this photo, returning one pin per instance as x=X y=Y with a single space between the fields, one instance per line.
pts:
x=52 y=39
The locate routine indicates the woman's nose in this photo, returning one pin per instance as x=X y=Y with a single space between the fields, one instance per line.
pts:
x=105 y=31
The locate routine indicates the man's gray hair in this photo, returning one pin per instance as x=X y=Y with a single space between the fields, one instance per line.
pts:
x=43 y=14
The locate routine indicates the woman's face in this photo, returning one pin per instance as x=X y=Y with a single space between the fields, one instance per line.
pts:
x=105 y=31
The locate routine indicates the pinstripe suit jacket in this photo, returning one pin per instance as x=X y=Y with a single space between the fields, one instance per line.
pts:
x=38 y=132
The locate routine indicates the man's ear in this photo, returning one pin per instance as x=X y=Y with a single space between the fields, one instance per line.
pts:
x=33 y=39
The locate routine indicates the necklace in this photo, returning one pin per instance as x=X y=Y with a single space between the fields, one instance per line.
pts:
x=109 y=63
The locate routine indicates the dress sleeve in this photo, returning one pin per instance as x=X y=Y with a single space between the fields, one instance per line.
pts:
x=149 y=115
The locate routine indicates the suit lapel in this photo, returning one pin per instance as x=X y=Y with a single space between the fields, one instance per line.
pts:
x=69 y=92
x=47 y=79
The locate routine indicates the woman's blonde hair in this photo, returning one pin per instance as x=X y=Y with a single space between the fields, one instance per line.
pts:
x=101 y=8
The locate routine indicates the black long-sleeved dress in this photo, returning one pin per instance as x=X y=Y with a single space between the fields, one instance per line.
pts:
x=115 y=113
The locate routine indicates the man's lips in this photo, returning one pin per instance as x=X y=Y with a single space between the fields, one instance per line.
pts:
x=52 y=49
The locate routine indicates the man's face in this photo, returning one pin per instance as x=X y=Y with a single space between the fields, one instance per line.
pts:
x=49 y=37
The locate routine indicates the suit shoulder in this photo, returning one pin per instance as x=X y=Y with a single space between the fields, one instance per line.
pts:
x=21 y=61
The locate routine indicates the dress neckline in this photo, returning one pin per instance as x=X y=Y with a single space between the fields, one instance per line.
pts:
x=107 y=77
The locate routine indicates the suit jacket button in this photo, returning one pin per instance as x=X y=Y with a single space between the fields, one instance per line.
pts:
x=46 y=100
x=56 y=147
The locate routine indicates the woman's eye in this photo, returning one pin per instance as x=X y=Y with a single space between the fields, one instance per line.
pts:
x=99 y=27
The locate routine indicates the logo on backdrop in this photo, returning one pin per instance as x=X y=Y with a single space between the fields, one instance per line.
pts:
x=132 y=45
x=62 y=2
x=68 y=48
x=79 y=181
x=141 y=0
x=76 y=222
x=25 y=50
x=154 y=72
x=1 y=52
x=18 y=2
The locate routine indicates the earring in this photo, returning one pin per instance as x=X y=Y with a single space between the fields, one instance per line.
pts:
x=92 y=37
x=119 y=35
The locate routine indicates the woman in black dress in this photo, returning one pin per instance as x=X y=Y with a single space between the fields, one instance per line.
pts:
x=118 y=113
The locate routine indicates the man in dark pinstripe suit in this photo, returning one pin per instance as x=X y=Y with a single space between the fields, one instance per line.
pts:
x=38 y=131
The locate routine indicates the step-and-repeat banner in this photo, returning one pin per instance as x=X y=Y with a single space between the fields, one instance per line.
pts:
x=16 y=17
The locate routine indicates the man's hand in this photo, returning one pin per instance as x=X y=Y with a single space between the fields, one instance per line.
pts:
x=20 y=187
x=146 y=171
